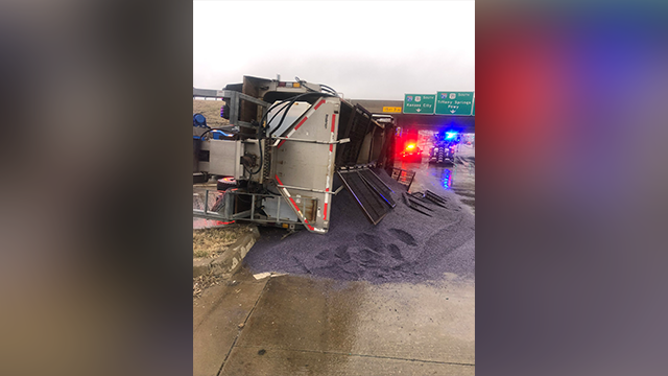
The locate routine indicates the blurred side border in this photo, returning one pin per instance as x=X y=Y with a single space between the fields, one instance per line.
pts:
x=95 y=226
x=571 y=187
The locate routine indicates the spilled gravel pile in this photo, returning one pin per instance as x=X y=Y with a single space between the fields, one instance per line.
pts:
x=405 y=246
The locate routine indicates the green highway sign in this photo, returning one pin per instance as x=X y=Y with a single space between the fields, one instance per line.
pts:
x=419 y=103
x=454 y=103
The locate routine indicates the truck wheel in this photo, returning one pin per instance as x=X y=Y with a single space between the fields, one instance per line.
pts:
x=226 y=183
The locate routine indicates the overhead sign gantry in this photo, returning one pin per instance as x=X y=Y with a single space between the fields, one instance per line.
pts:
x=453 y=103
x=419 y=103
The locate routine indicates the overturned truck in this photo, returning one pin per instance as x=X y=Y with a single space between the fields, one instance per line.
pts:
x=289 y=148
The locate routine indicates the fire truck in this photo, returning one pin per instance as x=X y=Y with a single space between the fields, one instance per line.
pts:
x=445 y=147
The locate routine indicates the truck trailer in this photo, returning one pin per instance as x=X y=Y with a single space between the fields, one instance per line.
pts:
x=290 y=147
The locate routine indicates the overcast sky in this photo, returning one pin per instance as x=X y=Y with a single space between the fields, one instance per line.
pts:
x=366 y=50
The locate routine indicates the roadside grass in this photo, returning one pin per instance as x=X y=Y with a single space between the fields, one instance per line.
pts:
x=211 y=111
x=211 y=241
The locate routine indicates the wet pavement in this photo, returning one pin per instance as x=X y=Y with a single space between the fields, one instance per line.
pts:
x=301 y=325
x=293 y=325
x=458 y=177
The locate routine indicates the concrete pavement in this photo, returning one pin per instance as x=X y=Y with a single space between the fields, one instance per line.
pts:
x=293 y=325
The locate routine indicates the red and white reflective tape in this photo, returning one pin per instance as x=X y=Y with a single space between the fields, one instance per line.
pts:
x=329 y=164
x=324 y=218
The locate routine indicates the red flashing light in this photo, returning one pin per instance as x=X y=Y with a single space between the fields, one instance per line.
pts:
x=410 y=147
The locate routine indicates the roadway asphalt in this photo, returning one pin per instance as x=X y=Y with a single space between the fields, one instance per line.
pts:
x=458 y=178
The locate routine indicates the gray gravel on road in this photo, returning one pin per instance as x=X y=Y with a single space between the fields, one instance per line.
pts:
x=405 y=246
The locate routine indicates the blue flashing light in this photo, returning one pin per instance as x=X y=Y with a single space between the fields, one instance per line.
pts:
x=450 y=135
